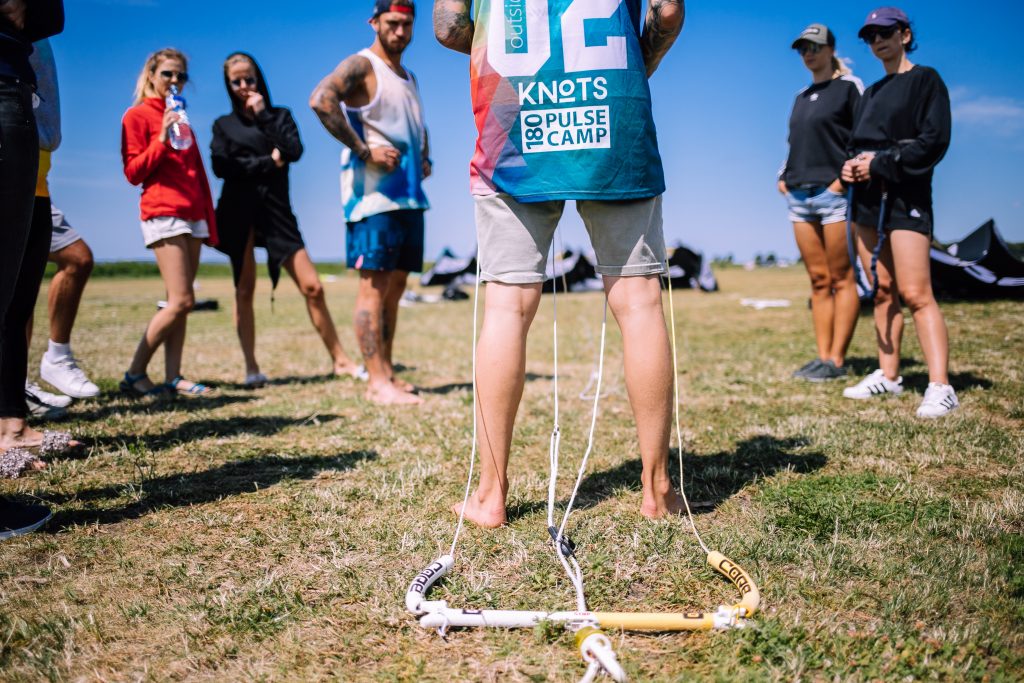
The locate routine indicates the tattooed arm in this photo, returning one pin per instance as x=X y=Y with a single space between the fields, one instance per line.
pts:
x=453 y=25
x=663 y=25
x=345 y=81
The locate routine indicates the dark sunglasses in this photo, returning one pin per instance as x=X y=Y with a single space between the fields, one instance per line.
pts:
x=873 y=34
x=248 y=80
x=809 y=47
x=168 y=75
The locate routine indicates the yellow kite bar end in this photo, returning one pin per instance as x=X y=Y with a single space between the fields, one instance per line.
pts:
x=751 y=599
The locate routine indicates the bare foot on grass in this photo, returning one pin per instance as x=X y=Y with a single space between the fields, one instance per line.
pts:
x=660 y=506
x=387 y=394
x=488 y=517
x=402 y=385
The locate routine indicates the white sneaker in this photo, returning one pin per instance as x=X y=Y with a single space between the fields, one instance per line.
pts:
x=875 y=384
x=45 y=397
x=939 y=400
x=43 y=411
x=65 y=374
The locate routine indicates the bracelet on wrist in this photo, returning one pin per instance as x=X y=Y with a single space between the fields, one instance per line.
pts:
x=364 y=155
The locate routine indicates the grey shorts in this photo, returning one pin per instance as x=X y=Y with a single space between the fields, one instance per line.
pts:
x=165 y=227
x=515 y=237
x=63 y=235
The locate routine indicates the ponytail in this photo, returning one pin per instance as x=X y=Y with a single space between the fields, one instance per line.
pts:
x=839 y=67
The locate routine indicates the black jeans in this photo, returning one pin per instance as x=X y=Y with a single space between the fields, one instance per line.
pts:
x=21 y=261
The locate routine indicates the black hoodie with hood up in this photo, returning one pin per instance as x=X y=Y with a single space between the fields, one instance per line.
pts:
x=255 y=195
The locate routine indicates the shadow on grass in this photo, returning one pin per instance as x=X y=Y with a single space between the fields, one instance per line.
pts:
x=194 y=430
x=183 y=489
x=710 y=479
x=290 y=380
x=114 y=403
x=468 y=386
x=862 y=365
x=961 y=381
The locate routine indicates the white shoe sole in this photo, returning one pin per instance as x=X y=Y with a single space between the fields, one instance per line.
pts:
x=46 y=377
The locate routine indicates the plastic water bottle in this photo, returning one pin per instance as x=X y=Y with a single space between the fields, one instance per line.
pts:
x=180 y=134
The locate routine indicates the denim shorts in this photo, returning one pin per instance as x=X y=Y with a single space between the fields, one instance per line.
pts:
x=816 y=205
x=387 y=241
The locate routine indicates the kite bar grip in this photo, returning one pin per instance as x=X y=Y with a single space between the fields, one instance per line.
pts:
x=741 y=579
x=419 y=587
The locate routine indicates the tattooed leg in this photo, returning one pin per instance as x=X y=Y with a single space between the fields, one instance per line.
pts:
x=369 y=324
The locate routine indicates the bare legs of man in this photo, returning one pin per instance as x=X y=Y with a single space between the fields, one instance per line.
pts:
x=376 y=320
x=501 y=365
x=304 y=275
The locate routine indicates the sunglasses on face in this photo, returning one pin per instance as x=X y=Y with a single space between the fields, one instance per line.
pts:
x=886 y=33
x=809 y=48
x=248 y=80
x=169 y=75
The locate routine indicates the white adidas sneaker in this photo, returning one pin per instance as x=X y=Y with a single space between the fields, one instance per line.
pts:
x=65 y=374
x=875 y=384
x=939 y=400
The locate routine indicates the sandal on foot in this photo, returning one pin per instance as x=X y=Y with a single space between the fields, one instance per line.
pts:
x=197 y=388
x=127 y=386
x=14 y=462
x=256 y=380
x=55 y=444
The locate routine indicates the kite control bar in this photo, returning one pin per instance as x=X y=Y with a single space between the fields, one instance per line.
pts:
x=437 y=614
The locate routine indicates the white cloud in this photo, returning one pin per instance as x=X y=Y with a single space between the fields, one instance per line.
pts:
x=1002 y=116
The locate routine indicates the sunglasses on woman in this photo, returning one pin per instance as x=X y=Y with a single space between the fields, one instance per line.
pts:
x=169 y=75
x=248 y=80
x=871 y=35
x=809 y=48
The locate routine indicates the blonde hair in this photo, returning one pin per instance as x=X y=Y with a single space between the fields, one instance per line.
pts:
x=839 y=67
x=143 y=89
x=237 y=58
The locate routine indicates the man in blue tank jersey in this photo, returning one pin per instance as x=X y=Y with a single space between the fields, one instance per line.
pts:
x=563 y=111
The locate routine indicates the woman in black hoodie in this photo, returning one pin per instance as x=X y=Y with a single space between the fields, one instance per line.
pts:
x=251 y=150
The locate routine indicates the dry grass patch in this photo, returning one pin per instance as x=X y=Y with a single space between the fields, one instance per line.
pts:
x=270 y=535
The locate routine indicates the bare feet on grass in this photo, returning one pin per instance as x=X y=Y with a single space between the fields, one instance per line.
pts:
x=387 y=394
x=486 y=515
x=661 y=504
x=402 y=385
x=350 y=369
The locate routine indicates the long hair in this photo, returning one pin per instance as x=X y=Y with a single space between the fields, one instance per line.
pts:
x=142 y=86
x=839 y=67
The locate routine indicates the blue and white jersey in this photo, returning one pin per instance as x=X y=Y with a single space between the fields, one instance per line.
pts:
x=394 y=118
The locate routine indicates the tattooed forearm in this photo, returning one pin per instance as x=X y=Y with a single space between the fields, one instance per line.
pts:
x=367 y=334
x=453 y=25
x=664 y=23
x=327 y=98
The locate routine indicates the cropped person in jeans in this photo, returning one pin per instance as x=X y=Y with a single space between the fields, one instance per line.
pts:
x=819 y=133
x=22 y=249
x=177 y=215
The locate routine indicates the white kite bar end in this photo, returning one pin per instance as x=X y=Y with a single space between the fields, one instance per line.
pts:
x=417 y=593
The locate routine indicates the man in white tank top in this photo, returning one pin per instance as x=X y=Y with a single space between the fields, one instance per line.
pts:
x=371 y=103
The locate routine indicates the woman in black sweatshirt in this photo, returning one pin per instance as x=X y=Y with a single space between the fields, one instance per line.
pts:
x=251 y=150
x=902 y=131
x=819 y=133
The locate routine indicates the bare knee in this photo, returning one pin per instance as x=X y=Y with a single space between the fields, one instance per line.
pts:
x=821 y=281
x=917 y=298
x=76 y=261
x=245 y=293
x=312 y=290
x=181 y=306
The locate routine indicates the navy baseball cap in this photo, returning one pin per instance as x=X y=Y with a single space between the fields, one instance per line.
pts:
x=403 y=6
x=884 y=17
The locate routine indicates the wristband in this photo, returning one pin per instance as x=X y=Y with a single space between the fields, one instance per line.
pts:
x=365 y=154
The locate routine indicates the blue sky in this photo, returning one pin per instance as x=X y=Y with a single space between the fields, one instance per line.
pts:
x=722 y=100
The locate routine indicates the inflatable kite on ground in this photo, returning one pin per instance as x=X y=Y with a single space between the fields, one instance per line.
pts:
x=980 y=266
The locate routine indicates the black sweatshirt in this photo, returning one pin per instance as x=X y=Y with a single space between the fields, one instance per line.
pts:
x=255 y=196
x=906 y=119
x=43 y=18
x=819 y=131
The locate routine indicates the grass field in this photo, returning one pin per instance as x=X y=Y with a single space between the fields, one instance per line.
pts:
x=270 y=535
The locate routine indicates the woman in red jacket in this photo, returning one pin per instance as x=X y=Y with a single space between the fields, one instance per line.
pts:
x=177 y=216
